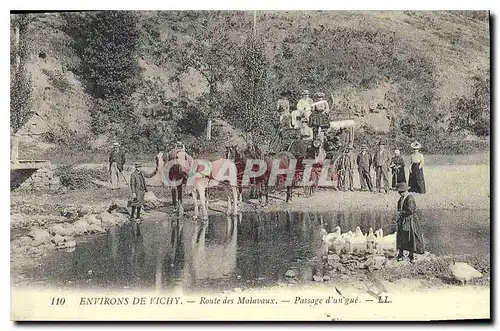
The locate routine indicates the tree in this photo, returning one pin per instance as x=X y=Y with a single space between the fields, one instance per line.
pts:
x=251 y=107
x=20 y=84
x=473 y=113
x=107 y=44
x=202 y=43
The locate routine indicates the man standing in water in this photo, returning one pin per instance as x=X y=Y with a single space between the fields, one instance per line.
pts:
x=408 y=237
x=139 y=189
x=116 y=162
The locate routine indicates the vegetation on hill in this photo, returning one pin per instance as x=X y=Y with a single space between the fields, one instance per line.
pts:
x=154 y=77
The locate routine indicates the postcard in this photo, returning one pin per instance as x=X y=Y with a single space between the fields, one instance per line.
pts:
x=250 y=166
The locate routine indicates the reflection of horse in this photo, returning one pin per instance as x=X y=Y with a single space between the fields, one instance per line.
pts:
x=169 y=254
x=214 y=260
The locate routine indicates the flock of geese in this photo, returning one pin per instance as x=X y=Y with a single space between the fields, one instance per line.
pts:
x=337 y=240
x=358 y=238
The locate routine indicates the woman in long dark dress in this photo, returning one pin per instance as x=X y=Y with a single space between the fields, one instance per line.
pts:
x=409 y=236
x=398 y=169
x=416 y=179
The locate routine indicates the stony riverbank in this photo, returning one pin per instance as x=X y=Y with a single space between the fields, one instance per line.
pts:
x=41 y=223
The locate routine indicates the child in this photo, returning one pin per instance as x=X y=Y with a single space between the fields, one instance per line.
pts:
x=138 y=187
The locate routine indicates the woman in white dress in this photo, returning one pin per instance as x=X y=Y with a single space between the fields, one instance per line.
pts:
x=416 y=180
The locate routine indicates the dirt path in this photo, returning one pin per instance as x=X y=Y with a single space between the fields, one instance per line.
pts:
x=448 y=187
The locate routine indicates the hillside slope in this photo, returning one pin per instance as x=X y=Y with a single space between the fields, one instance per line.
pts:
x=391 y=61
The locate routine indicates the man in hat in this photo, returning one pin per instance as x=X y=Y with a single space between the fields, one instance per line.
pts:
x=304 y=105
x=116 y=163
x=179 y=146
x=364 y=162
x=138 y=188
x=408 y=234
x=345 y=172
x=381 y=161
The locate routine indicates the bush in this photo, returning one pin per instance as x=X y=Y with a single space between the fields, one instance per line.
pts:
x=79 y=178
x=20 y=99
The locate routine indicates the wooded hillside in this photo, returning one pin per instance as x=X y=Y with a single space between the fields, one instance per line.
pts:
x=149 y=78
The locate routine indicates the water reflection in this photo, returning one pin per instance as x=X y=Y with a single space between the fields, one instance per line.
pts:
x=170 y=254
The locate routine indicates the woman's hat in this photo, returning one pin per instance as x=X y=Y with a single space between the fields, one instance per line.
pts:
x=364 y=146
x=305 y=92
x=415 y=145
x=319 y=94
x=138 y=164
x=304 y=120
x=116 y=144
x=402 y=187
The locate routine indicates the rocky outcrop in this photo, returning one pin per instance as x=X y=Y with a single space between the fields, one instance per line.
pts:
x=50 y=232
x=42 y=179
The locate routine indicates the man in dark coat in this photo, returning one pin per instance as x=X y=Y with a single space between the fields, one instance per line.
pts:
x=409 y=236
x=398 y=169
x=116 y=163
x=381 y=162
x=364 y=162
x=345 y=167
x=138 y=187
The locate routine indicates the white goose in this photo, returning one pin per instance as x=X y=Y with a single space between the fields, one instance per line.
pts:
x=358 y=237
x=334 y=237
x=370 y=238
x=389 y=240
x=379 y=234
x=347 y=236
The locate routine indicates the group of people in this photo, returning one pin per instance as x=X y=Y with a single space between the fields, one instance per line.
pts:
x=381 y=161
x=305 y=122
x=409 y=236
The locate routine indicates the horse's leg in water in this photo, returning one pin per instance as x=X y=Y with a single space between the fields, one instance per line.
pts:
x=266 y=191
x=174 y=197
x=195 y=202
x=235 y=200
x=258 y=185
x=288 y=194
x=179 y=194
x=227 y=190
x=207 y=195
x=240 y=193
x=201 y=191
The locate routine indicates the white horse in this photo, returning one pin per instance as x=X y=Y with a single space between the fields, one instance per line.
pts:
x=181 y=170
